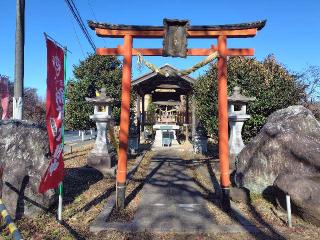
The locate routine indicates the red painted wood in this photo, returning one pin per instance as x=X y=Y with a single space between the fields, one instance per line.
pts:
x=125 y=111
x=223 y=112
x=191 y=51
x=251 y=32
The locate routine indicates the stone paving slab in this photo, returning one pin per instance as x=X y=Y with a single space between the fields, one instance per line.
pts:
x=172 y=202
x=170 y=199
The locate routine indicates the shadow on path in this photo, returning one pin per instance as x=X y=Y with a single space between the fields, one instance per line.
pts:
x=172 y=201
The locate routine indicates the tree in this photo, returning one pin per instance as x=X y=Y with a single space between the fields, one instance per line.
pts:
x=310 y=79
x=92 y=74
x=34 y=107
x=270 y=82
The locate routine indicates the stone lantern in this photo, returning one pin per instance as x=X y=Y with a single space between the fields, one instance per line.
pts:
x=102 y=155
x=237 y=111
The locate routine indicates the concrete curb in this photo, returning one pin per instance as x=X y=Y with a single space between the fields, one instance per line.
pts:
x=138 y=227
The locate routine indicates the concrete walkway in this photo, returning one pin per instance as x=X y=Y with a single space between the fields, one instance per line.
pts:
x=171 y=202
x=170 y=198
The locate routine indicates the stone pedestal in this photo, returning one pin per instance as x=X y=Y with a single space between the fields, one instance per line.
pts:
x=237 y=110
x=165 y=127
x=102 y=157
x=235 y=140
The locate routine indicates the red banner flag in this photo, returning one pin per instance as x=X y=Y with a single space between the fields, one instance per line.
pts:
x=54 y=115
x=4 y=94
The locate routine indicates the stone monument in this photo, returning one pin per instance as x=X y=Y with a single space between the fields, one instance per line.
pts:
x=133 y=141
x=237 y=109
x=102 y=157
x=200 y=142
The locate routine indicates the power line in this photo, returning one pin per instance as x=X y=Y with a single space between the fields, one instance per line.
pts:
x=77 y=37
x=91 y=8
x=76 y=15
x=94 y=17
x=79 y=20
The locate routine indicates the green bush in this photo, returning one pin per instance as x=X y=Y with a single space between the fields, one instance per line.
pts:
x=92 y=74
x=270 y=82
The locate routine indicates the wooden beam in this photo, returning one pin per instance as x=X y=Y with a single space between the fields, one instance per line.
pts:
x=191 y=51
x=251 y=32
x=147 y=51
x=134 y=33
x=240 y=52
x=109 y=51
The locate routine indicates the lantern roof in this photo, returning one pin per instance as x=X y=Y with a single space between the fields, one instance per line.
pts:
x=236 y=96
x=101 y=99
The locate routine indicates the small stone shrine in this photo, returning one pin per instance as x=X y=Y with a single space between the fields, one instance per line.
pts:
x=237 y=109
x=102 y=155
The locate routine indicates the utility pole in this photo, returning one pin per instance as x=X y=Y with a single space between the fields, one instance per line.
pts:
x=19 y=61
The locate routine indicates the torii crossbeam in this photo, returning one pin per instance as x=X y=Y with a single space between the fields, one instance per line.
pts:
x=220 y=32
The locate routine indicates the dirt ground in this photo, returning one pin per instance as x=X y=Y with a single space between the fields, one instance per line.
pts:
x=86 y=192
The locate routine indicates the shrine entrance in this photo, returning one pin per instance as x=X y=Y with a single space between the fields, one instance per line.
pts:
x=175 y=34
x=169 y=101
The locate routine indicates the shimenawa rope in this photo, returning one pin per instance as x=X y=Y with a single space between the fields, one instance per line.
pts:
x=195 y=67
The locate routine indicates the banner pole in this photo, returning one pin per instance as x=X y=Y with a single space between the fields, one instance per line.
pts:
x=64 y=102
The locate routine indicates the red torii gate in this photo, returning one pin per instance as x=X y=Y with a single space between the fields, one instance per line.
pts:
x=221 y=32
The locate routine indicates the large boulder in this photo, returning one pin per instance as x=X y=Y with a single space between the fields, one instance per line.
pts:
x=24 y=156
x=288 y=143
x=304 y=191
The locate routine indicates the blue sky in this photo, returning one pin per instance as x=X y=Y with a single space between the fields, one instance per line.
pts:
x=292 y=32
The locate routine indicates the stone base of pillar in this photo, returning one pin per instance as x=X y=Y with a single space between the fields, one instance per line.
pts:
x=103 y=163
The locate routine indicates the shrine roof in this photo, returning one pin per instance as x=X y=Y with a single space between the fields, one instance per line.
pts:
x=257 y=24
x=153 y=80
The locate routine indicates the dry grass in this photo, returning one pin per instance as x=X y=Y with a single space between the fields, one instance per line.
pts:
x=133 y=193
x=87 y=192
x=271 y=221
